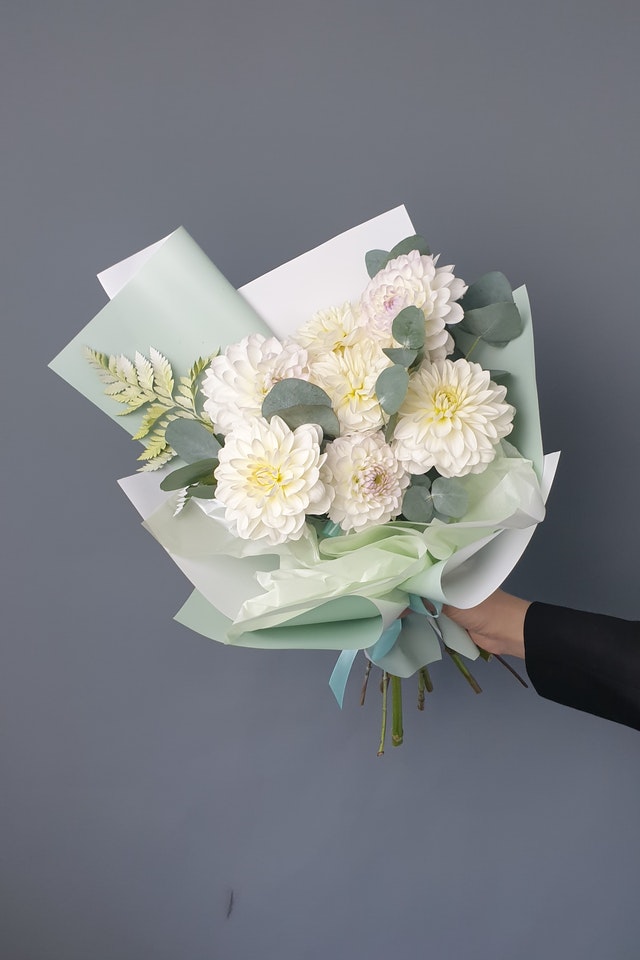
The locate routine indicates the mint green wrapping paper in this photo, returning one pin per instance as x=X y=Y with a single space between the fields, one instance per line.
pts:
x=177 y=302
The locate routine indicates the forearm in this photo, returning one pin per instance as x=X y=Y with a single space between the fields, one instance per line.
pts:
x=585 y=660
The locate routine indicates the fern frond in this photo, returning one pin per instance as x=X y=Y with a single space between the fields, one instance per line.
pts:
x=158 y=461
x=149 y=420
x=144 y=369
x=163 y=374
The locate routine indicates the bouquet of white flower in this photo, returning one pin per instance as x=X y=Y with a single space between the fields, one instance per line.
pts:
x=352 y=465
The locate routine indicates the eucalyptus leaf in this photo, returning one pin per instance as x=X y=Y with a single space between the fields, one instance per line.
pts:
x=389 y=430
x=421 y=480
x=391 y=388
x=375 y=260
x=293 y=392
x=191 y=440
x=450 y=497
x=203 y=491
x=417 y=505
x=310 y=413
x=416 y=242
x=408 y=328
x=399 y=355
x=498 y=323
x=490 y=288
x=192 y=473
x=497 y=375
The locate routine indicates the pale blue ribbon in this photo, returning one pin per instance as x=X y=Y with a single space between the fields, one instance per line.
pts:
x=383 y=645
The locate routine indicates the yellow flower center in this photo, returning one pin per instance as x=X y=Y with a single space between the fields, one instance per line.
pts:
x=266 y=477
x=446 y=402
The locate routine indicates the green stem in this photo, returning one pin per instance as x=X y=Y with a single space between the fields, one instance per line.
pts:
x=421 y=686
x=383 y=731
x=397 y=734
x=473 y=683
x=424 y=673
x=363 y=692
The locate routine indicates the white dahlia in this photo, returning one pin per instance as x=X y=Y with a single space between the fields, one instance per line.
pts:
x=331 y=331
x=237 y=381
x=414 y=280
x=350 y=379
x=367 y=480
x=269 y=479
x=452 y=419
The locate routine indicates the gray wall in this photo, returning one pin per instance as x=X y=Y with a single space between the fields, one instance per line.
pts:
x=148 y=772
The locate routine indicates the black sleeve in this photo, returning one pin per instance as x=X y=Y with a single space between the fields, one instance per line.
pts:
x=585 y=660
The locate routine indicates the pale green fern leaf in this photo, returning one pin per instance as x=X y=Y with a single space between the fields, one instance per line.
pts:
x=163 y=374
x=149 y=420
x=158 y=461
x=144 y=369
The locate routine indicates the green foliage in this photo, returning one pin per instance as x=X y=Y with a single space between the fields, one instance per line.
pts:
x=417 y=504
x=497 y=323
x=491 y=288
x=450 y=497
x=311 y=413
x=297 y=402
x=416 y=242
x=391 y=388
x=191 y=440
x=445 y=498
x=150 y=381
x=376 y=260
x=490 y=313
x=399 y=355
x=408 y=328
x=198 y=472
x=293 y=392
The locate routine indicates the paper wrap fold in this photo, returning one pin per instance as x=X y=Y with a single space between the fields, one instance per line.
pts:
x=344 y=592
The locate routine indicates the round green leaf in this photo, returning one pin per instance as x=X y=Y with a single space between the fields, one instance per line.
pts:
x=417 y=505
x=416 y=242
x=408 y=328
x=192 y=473
x=293 y=393
x=497 y=323
x=491 y=288
x=399 y=355
x=450 y=497
x=191 y=440
x=375 y=260
x=421 y=480
x=310 y=413
x=391 y=388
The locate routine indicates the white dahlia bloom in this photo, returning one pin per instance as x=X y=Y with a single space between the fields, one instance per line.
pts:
x=452 y=418
x=269 y=479
x=237 y=381
x=331 y=331
x=350 y=379
x=367 y=480
x=414 y=280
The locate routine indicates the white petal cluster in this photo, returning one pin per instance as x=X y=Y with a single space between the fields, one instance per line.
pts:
x=269 y=479
x=414 y=280
x=350 y=378
x=331 y=331
x=237 y=381
x=452 y=419
x=367 y=480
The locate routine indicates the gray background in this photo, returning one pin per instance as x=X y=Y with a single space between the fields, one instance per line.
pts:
x=149 y=772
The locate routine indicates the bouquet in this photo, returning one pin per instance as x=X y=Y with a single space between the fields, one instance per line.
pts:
x=331 y=452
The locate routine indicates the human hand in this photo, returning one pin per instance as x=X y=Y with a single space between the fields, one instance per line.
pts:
x=496 y=624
